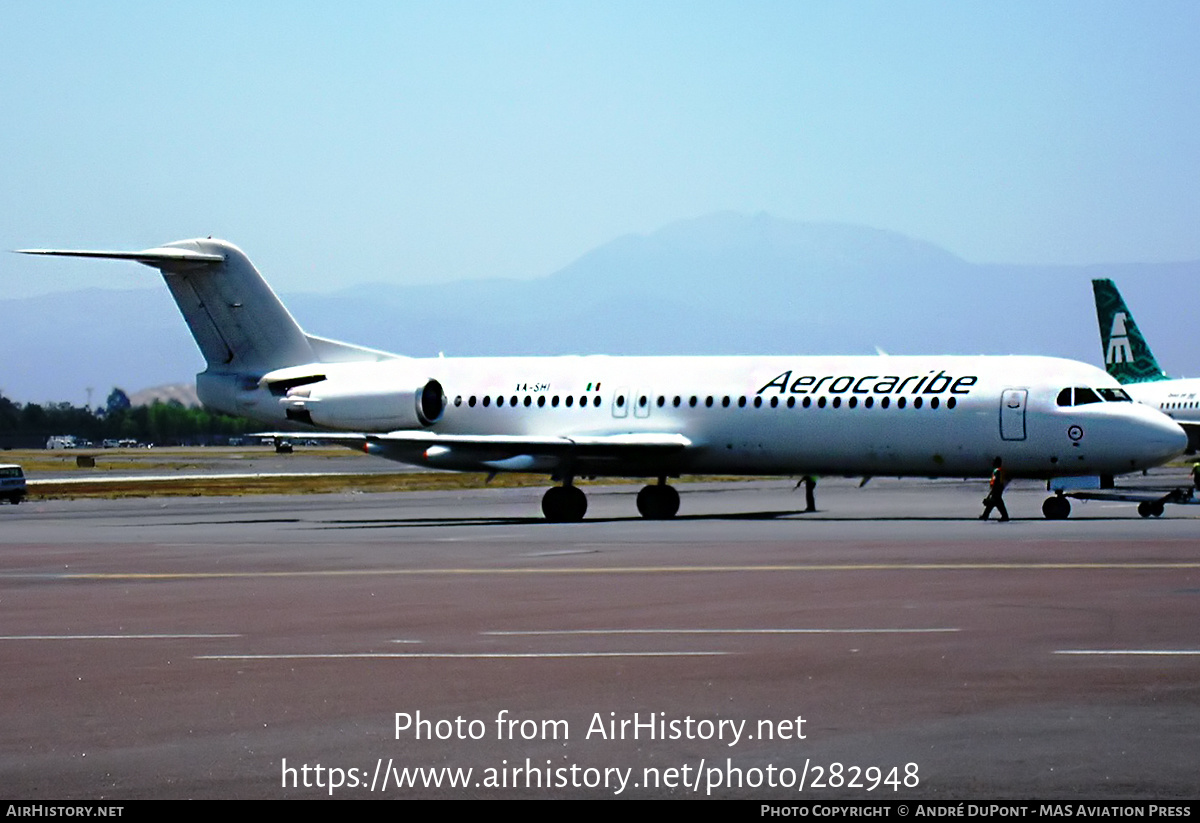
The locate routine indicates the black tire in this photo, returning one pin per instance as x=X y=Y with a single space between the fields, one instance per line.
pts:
x=659 y=502
x=1056 y=508
x=564 y=504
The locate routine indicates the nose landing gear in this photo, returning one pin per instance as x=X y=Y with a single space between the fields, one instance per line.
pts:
x=1057 y=507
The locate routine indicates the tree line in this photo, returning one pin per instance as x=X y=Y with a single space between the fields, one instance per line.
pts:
x=165 y=424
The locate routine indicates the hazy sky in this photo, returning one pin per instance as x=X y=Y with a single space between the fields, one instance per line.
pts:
x=418 y=142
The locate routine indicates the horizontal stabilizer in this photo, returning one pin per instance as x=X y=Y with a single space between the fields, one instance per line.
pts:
x=160 y=258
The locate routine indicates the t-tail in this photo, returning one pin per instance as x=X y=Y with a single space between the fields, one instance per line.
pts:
x=1126 y=355
x=243 y=330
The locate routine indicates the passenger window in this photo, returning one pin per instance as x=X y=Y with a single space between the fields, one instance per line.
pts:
x=541 y=401
x=528 y=401
x=852 y=402
x=471 y=401
x=741 y=402
x=917 y=403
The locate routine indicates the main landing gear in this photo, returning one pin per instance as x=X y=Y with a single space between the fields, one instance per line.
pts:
x=1057 y=507
x=564 y=504
x=567 y=504
x=658 y=502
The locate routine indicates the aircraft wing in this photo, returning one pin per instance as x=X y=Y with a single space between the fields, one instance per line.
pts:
x=469 y=452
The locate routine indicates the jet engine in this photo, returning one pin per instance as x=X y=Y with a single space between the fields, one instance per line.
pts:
x=349 y=399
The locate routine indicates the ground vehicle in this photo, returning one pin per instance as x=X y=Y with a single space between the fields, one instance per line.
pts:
x=12 y=483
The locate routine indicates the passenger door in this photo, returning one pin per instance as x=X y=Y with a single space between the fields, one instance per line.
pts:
x=1012 y=414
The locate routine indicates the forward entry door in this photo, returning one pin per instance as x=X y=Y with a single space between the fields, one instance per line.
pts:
x=1012 y=414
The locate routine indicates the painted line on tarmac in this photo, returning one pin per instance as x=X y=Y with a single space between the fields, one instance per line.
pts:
x=578 y=632
x=118 y=636
x=452 y=656
x=1132 y=652
x=599 y=570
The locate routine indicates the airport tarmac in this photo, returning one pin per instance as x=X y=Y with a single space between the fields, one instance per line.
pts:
x=227 y=647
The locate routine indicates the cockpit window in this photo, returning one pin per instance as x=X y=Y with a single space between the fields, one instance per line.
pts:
x=1115 y=395
x=1081 y=396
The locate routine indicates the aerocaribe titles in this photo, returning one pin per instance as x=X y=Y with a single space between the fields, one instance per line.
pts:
x=931 y=383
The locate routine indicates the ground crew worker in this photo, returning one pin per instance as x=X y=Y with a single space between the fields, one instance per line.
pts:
x=995 y=498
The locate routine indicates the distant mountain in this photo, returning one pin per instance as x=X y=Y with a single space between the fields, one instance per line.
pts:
x=184 y=393
x=721 y=284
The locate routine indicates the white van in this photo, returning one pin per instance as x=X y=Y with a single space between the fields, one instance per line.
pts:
x=12 y=483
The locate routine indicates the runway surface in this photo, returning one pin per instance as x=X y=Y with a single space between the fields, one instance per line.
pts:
x=221 y=647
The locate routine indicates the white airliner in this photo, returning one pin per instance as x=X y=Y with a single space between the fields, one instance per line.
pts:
x=1128 y=358
x=653 y=417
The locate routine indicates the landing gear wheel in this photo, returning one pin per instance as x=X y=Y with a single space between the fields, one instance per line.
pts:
x=1056 y=508
x=660 y=502
x=1157 y=508
x=1145 y=508
x=564 y=504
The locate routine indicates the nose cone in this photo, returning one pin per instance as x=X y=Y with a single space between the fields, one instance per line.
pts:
x=1159 y=438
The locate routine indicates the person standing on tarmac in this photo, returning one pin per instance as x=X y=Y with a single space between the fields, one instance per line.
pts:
x=995 y=498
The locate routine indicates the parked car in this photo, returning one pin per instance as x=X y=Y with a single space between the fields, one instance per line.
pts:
x=12 y=483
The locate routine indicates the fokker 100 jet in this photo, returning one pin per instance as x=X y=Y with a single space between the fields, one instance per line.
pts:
x=653 y=417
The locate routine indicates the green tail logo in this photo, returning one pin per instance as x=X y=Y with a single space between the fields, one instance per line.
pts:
x=1126 y=355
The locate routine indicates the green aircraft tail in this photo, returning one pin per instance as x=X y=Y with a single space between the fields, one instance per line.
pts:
x=1126 y=355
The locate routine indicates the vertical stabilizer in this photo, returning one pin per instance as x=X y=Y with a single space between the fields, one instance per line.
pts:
x=237 y=321
x=1126 y=355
